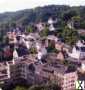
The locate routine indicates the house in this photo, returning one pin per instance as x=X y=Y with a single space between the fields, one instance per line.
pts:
x=59 y=46
x=70 y=24
x=51 y=28
x=28 y=44
x=40 y=26
x=66 y=48
x=51 y=39
x=83 y=66
x=7 y=53
x=41 y=53
x=29 y=40
x=55 y=57
x=33 y=36
x=60 y=56
x=50 y=23
x=12 y=37
x=3 y=74
x=78 y=51
x=15 y=54
x=60 y=75
x=38 y=45
x=52 y=20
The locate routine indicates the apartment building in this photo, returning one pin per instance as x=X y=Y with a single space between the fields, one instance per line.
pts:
x=78 y=51
x=33 y=72
x=3 y=73
x=18 y=69
x=66 y=79
x=60 y=75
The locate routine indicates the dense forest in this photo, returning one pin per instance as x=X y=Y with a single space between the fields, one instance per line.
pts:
x=33 y=15
x=43 y=13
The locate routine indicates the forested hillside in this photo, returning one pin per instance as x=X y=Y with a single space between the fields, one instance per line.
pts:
x=27 y=16
x=41 y=13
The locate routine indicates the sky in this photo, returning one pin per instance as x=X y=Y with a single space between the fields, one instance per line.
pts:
x=14 y=5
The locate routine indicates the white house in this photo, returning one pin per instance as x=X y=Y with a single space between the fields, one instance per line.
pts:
x=83 y=66
x=70 y=24
x=53 y=38
x=51 y=27
x=15 y=55
x=51 y=24
x=41 y=53
x=40 y=26
x=78 y=51
x=50 y=21
x=28 y=44
x=38 y=45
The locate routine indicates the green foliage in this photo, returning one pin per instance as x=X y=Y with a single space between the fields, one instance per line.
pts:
x=29 y=29
x=78 y=22
x=62 y=12
x=24 y=17
x=31 y=15
x=69 y=14
x=70 y=36
x=45 y=87
x=71 y=67
x=35 y=87
x=66 y=62
x=20 y=88
x=33 y=50
x=49 y=86
x=51 y=48
x=82 y=37
x=44 y=32
x=82 y=24
x=76 y=18
x=39 y=87
x=1 y=36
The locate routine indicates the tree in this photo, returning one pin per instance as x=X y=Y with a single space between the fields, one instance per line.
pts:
x=29 y=29
x=69 y=14
x=76 y=21
x=82 y=12
x=13 y=24
x=45 y=87
x=1 y=36
x=33 y=50
x=70 y=36
x=44 y=32
x=51 y=48
x=20 y=88
x=76 y=18
x=82 y=24
x=35 y=87
x=71 y=67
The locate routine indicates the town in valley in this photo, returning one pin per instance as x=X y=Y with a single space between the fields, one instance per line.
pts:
x=47 y=53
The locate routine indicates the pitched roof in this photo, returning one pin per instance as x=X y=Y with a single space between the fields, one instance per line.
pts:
x=22 y=50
